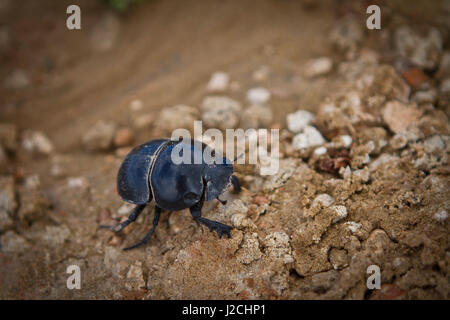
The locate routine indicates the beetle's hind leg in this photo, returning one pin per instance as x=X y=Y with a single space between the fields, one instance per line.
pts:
x=236 y=184
x=150 y=233
x=132 y=217
x=220 y=228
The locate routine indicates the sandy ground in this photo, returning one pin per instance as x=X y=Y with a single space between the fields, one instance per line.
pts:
x=310 y=231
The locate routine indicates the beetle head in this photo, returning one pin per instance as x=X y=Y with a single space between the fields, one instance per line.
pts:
x=217 y=177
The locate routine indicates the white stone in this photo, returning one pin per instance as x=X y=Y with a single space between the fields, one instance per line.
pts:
x=38 y=142
x=298 y=120
x=441 y=215
x=309 y=138
x=318 y=66
x=219 y=82
x=353 y=226
x=258 y=95
x=324 y=199
x=346 y=140
x=340 y=212
x=320 y=151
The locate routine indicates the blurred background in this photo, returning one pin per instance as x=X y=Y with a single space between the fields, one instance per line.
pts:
x=74 y=102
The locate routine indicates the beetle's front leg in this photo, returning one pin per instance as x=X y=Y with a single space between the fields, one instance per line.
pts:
x=133 y=216
x=196 y=211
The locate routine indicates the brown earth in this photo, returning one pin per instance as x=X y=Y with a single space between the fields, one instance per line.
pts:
x=388 y=192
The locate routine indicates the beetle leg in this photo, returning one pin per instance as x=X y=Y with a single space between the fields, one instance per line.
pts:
x=196 y=211
x=236 y=184
x=150 y=233
x=133 y=216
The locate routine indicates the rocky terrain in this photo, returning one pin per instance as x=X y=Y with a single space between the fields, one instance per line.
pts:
x=364 y=175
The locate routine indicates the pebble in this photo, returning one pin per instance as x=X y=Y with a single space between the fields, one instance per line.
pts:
x=219 y=82
x=142 y=121
x=37 y=142
x=434 y=143
x=325 y=200
x=317 y=67
x=424 y=97
x=17 y=79
x=441 y=216
x=298 y=120
x=258 y=95
x=99 y=137
x=77 y=183
x=309 y=138
x=125 y=209
x=260 y=200
x=136 y=105
x=340 y=213
x=353 y=226
x=249 y=251
x=399 y=116
x=346 y=140
x=278 y=246
x=220 y=112
x=424 y=51
x=320 y=151
x=124 y=137
x=261 y=73
x=257 y=116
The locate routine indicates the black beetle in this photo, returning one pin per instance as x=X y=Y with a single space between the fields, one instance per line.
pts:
x=148 y=172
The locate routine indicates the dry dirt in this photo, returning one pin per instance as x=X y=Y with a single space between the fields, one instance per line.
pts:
x=310 y=231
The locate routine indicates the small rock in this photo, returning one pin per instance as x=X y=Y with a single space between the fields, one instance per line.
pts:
x=219 y=82
x=77 y=183
x=346 y=140
x=415 y=77
x=257 y=116
x=340 y=212
x=124 y=137
x=18 y=79
x=298 y=120
x=400 y=116
x=220 y=112
x=309 y=138
x=125 y=209
x=99 y=137
x=11 y=242
x=434 y=143
x=424 y=51
x=37 y=142
x=261 y=74
x=353 y=226
x=317 y=67
x=324 y=200
x=320 y=151
x=105 y=32
x=258 y=95
x=441 y=215
x=424 y=97
x=136 y=105
x=8 y=136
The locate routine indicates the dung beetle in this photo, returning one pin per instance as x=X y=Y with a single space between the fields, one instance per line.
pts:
x=148 y=172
